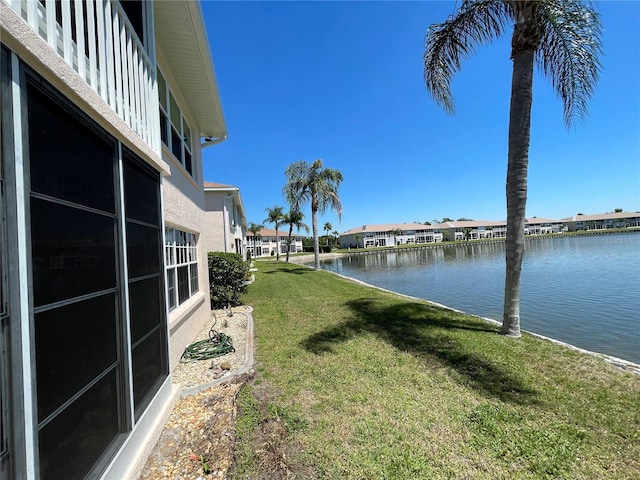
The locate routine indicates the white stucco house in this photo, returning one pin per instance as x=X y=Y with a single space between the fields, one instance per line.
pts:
x=106 y=107
x=267 y=242
x=226 y=223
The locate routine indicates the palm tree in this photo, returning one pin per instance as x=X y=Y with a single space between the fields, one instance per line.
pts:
x=311 y=183
x=357 y=239
x=336 y=238
x=275 y=215
x=327 y=228
x=293 y=219
x=394 y=233
x=563 y=38
x=254 y=228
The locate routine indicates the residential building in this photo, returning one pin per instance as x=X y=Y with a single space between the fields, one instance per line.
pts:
x=472 y=230
x=393 y=234
x=389 y=235
x=226 y=223
x=266 y=243
x=106 y=107
x=602 y=221
x=543 y=226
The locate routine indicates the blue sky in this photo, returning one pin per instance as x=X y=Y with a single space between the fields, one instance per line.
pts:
x=343 y=81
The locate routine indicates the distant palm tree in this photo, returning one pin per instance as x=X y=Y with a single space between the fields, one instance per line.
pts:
x=255 y=229
x=275 y=216
x=327 y=228
x=395 y=232
x=293 y=219
x=311 y=183
x=563 y=38
x=336 y=237
x=357 y=239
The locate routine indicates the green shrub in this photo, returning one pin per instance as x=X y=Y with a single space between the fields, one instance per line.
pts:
x=227 y=275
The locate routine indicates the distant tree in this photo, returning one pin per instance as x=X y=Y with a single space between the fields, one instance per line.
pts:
x=618 y=210
x=312 y=183
x=564 y=39
x=465 y=220
x=327 y=228
x=293 y=219
x=446 y=219
x=275 y=215
x=426 y=223
x=395 y=232
x=357 y=239
x=255 y=229
x=467 y=234
x=336 y=237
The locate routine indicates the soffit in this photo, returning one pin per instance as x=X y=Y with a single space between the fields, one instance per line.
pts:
x=182 y=34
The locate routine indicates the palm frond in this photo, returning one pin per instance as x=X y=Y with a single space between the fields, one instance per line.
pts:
x=477 y=22
x=569 y=52
x=326 y=189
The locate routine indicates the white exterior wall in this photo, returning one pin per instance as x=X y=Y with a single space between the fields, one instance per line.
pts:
x=215 y=221
x=183 y=197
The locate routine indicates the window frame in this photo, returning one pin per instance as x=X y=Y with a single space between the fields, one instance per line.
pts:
x=170 y=133
x=181 y=250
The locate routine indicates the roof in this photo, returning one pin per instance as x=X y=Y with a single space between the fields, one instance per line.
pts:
x=602 y=216
x=536 y=220
x=270 y=232
x=218 y=186
x=388 y=227
x=470 y=224
x=181 y=31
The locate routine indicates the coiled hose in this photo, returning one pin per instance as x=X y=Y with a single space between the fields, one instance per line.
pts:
x=217 y=345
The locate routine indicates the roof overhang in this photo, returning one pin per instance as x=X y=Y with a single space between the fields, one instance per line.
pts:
x=181 y=31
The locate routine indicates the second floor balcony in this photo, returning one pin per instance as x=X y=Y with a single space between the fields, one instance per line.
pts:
x=111 y=46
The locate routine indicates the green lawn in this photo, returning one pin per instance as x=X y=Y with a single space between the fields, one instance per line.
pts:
x=356 y=383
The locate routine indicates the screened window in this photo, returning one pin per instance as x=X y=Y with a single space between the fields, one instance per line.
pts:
x=146 y=298
x=80 y=342
x=182 y=265
x=4 y=280
x=174 y=129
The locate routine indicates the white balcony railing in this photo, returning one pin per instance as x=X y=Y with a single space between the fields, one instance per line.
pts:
x=97 y=40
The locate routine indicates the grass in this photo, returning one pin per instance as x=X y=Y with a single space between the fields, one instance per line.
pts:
x=364 y=384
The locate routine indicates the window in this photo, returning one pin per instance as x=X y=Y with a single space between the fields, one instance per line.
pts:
x=182 y=265
x=4 y=312
x=174 y=129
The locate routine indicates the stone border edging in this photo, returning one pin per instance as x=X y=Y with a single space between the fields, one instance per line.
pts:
x=246 y=367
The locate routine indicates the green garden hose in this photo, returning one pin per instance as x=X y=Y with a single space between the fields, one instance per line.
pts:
x=217 y=345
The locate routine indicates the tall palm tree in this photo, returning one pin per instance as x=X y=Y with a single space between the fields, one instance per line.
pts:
x=293 y=219
x=312 y=183
x=275 y=215
x=563 y=38
x=327 y=228
x=255 y=229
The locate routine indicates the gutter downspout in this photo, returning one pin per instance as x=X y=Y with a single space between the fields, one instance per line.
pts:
x=209 y=141
x=225 y=224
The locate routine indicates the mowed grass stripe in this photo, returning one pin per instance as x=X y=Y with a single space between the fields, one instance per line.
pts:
x=368 y=384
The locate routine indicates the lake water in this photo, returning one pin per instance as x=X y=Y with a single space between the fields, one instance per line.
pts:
x=583 y=290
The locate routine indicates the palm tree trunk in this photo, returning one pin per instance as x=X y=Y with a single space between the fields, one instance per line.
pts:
x=289 y=242
x=316 y=241
x=519 y=132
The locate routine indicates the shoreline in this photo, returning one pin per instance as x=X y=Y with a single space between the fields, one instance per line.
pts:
x=616 y=361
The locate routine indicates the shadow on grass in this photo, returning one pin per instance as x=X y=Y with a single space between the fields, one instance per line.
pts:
x=426 y=332
x=295 y=270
